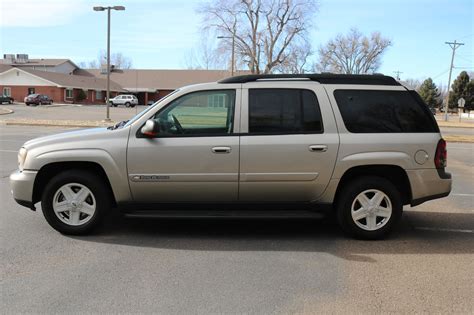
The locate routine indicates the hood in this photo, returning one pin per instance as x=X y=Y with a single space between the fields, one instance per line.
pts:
x=68 y=137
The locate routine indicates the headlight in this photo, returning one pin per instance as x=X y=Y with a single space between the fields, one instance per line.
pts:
x=21 y=158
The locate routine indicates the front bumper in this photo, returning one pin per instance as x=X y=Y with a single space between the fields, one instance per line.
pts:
x=21 y=184
x=428 y=184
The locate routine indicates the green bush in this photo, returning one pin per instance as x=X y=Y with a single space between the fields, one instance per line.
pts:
x=81 y=95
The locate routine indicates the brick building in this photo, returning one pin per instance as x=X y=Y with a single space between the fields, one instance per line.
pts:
x=63 y=81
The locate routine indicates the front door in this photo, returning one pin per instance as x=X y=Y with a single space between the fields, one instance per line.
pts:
x=289 y=142
x=194 y=155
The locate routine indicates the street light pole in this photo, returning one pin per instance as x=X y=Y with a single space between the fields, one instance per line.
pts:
x=118 y=8
x=232 y=67
x=107 y=118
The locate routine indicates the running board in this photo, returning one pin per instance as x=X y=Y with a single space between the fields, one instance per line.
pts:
x=240 y=214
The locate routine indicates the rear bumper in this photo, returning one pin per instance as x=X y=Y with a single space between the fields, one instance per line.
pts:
x=428 y=184
x=21 y=184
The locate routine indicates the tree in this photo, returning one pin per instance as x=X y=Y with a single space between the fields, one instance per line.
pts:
x=413 y=84
x=205 y=56
x=461 y=87
x=353 y=53
x=81 y=95
x=268 y=33
x=429 y=93
x=118 y=60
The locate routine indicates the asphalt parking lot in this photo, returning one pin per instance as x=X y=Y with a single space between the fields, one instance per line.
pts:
x=238 y=266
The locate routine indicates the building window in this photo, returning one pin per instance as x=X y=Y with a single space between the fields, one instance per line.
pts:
x=217 y=100
x=69 y=93
x=7 y=91
x=31 y=91
x=98 y=95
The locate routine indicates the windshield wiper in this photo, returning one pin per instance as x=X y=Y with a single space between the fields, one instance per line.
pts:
x=118 y=125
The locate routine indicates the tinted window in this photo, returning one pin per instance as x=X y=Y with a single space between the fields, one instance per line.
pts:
x=198 y=114
x=370 y=111
x=283 y=111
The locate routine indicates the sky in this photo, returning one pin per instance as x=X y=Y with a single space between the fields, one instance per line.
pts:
x=160 y=34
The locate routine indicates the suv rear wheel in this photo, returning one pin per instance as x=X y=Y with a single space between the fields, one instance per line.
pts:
x=74 y=202
x=369 y=207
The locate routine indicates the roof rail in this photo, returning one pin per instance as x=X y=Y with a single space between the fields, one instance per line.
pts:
x=323 y=78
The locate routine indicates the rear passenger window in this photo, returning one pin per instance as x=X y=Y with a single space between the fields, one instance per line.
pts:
x=276 y=111
x=371 y=111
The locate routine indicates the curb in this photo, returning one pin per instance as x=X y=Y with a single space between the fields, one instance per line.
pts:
x=53 y=125
x=6 y=111
x=455 y=126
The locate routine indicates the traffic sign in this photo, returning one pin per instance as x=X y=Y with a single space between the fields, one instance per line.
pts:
x=461 y=102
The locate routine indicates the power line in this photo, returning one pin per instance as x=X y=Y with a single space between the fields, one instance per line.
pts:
x=454 y=45
x=397 y=73
x=438 y=75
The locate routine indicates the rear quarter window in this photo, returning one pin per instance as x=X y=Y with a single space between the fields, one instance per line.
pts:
x=378 y=111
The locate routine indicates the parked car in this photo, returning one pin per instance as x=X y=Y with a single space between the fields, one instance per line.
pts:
x=38 y=99
x=127 y=100
x=6 y=99
x=362 y=146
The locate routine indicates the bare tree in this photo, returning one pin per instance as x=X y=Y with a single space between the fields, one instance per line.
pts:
x=353 y=53
x=205 y=56
x=413 y=84
x=267 y=32
x=118 y=60
x=297 y=61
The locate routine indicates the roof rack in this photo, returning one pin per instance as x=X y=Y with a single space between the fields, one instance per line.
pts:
x=323 y=78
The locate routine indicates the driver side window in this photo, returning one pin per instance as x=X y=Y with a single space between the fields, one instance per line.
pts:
x=198 y=113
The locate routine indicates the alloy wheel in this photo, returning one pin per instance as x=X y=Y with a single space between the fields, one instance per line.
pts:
x=74 y=204
x=371 y=210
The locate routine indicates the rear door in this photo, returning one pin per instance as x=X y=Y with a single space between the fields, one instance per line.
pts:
x=289 y=142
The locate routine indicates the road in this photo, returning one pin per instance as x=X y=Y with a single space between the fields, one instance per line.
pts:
x=70 y=112
x=237 y=266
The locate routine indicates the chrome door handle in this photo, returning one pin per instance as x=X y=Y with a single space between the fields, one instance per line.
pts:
x=221 y=150
x=318 y=148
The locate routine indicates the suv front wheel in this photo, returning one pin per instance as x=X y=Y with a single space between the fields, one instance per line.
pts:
x=74 y=202
x=369 y=207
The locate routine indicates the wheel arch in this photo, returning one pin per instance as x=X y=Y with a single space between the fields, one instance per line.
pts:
x=48 y=171
x=393 y=173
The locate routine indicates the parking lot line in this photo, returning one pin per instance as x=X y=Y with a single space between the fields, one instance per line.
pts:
x=425 y=228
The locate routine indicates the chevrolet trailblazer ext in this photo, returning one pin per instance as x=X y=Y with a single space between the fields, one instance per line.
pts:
x=362 y=144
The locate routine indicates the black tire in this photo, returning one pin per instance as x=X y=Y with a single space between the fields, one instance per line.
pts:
x=27 y=104
x=348 y=195
x=127 y=104
x=94 y=183
x=10 y=102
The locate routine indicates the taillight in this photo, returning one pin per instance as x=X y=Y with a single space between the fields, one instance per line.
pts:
x=441 y=156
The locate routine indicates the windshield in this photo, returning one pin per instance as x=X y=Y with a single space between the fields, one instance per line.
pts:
x=140 y=114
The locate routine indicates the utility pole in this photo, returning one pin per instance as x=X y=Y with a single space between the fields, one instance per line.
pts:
x=397 y=73
x=454 y=45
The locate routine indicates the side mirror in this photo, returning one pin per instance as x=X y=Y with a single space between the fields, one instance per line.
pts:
x=150 y=129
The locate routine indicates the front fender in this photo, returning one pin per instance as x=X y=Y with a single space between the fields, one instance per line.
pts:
x=114 y=169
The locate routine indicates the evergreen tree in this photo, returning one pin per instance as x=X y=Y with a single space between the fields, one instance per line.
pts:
x=470 y=95
x=460 y=89
x=429 y=93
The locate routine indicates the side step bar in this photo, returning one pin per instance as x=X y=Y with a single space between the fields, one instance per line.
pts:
x=241 y=214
